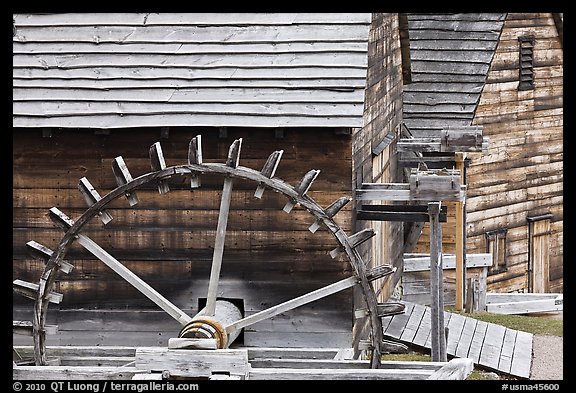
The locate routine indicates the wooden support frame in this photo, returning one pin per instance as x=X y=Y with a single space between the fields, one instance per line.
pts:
x=404 y=213
x=400 y=192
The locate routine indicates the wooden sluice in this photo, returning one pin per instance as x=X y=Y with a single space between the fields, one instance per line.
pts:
x=488 y=345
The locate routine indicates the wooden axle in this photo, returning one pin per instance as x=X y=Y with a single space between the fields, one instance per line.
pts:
x=213 y=327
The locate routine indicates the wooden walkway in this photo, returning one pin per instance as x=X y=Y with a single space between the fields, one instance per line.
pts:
x=487 y=344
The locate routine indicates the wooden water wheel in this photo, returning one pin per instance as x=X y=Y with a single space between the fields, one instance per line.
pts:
x=217 y=320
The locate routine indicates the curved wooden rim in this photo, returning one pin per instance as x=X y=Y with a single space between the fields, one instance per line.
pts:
x=51 y=270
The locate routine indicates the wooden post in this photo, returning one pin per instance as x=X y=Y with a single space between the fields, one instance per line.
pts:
x=436 y=287
x=460 y=239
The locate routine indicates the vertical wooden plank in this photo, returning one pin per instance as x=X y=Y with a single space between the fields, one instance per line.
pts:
x=505 y=362
x=466 y=337
x=490 y=353
x=522 y=358
x=460 y=268
x=477 y=340
x=455 y=327
x=436 y=288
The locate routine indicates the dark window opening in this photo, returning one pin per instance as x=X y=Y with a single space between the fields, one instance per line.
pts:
x=496 y=245
x=526 y=62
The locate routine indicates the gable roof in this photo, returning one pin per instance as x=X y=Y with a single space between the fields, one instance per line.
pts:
x=450 y=56
x=130 y=70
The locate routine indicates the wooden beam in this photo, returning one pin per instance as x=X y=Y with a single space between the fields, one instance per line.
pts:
x=192 y=364
x=438 y=338
x=321 y=374
x=460 y=239
x=402 y=192
x=74 y=373
x=232 y=161
x=393 y=215
x=293 y=303
x=421 y=262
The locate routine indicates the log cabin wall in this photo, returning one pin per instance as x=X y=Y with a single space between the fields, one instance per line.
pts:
x=374 y=153
x=520 y=179
x=291 y=82
x=450 y=55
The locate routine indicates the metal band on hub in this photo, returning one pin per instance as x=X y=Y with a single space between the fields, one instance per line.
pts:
x=206 y=328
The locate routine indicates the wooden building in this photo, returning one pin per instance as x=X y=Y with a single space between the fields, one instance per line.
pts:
x=325 y=89
x=501 y=72
x=90 y=87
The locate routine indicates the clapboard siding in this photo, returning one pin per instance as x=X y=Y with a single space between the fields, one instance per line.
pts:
x=450 y=55
x=158 y=70
x=521 y=174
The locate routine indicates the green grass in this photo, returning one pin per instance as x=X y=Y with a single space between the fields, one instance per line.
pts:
x=532 y=324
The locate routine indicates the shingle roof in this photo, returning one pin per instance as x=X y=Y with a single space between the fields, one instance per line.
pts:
x=450 y=57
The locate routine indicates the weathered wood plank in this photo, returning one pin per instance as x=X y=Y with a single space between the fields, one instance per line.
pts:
x=507 y=351
x=522 y=358
x=413 y=323
x=225 y=77
x=280 y=60
x=336 y=374
x=477 y=340
x=417 y=262
x=455 y=328
x=231 y=34
x=399 y=322
x=423 y=333
x=525 y=307
x=183 y=120
x=197 y=363
x=466 y=337
x=74 y=373
x=211 y=19
x=491 y=348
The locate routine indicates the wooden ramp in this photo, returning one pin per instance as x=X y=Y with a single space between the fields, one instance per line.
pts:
x=487 y=344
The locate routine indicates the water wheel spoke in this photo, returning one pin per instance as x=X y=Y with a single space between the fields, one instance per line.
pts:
x=292 y=304
x=133 y=279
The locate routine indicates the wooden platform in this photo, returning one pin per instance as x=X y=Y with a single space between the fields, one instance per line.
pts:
x=487 y=344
